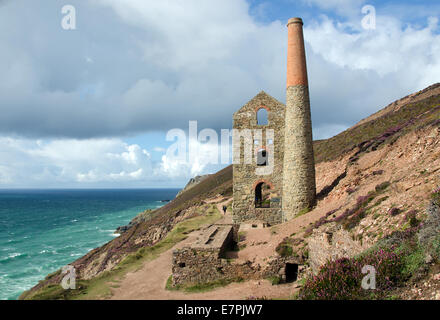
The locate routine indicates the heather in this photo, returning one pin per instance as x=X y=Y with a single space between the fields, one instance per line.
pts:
x=341 y=279
x=397 y=258
x=350 y=217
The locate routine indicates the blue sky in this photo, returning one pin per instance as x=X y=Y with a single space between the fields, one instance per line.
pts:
x=91 y=107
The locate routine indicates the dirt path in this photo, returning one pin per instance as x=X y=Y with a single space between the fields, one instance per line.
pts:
x=149 y=281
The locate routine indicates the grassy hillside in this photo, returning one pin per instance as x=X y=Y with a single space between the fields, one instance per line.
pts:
x=385 y=128
x=146 y=239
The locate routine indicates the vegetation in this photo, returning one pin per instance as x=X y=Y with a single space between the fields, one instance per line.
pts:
x=436 y=196
x=365 y=137
x=200 y=287
x=351 y=217
x=341 y=279
x=303 y=212
x=397 y=259
x=274 y=280
x=384 y=129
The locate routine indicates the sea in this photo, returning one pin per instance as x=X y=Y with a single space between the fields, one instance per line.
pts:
x=44 y=230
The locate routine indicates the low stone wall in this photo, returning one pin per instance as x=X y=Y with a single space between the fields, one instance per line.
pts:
x=331 y=242
x=272 y=215
x=195 y=266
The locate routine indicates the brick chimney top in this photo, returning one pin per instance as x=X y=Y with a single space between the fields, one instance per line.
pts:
x=296 y=56
x=294 y=20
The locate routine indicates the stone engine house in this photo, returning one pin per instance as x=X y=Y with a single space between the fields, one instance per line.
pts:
x=273 y=180
x=258 y=197
x=277 y=181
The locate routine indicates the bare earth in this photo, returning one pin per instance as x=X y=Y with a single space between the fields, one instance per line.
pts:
x=149 y=282
x=411 y=165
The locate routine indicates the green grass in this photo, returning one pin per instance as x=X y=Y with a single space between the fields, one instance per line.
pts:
x=414 y=262
x=99 y=287
x=274 y=280
x=330 y=149
x=302 y=212
x=200 y=287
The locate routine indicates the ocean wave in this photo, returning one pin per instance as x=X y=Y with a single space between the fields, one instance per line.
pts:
x=13 y=256
x=76 y=254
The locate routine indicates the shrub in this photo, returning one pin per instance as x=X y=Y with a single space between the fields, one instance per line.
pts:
x=382 y=186
x=436 y=196
x=393 y=211
x=284 y=249
x=274 y=280
x=354 y=220
x=411 y=217
x=341 y=279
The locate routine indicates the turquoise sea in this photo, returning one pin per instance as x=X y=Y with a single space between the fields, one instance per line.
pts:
x=43 y=230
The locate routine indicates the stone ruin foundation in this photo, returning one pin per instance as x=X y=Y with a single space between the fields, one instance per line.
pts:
x=205 y=260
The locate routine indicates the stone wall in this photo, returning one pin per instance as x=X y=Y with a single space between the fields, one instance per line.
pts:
x=331 y=242
x=299 y=186
x=196 y=266
x=245 y=176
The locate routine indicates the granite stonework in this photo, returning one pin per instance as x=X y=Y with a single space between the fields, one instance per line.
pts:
x=204 y=260
x=246 y=175
x=331 y=242
x=273 y=180
x=299 y=187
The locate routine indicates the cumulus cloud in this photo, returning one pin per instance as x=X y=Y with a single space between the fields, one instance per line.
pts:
x=131 y=67
x=191 y=60
x=95 y=163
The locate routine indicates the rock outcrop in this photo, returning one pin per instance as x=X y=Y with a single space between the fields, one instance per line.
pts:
x=192 y=182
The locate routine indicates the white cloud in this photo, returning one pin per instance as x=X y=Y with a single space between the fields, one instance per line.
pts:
x=178 y=61
x=353 y=74
x=27 y=162
x=93 y=162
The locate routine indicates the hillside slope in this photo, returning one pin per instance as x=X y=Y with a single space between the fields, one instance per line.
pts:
x=398 y=146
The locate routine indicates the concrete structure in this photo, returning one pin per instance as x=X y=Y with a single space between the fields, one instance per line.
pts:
x=288 y=186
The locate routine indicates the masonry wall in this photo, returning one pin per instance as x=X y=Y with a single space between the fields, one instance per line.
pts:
x=196 y=266
x=245 y=177
x=331 y=242
x=299 y=185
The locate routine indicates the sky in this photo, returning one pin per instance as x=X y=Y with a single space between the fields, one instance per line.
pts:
x=87 y=101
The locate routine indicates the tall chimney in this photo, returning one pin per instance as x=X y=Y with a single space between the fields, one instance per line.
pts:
x=299 y=188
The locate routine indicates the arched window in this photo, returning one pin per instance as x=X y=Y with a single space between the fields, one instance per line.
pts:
x=262 y=157
x=262 y=195
x=262 y=119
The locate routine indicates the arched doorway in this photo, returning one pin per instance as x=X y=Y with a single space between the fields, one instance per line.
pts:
x=262 y=195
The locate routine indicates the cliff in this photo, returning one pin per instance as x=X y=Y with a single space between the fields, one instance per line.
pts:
x=192 y=182
x=373 y=180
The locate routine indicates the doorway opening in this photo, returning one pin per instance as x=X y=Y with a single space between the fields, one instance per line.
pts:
x=291 y=272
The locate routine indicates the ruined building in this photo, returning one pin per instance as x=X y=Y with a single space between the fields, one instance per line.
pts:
x=273 y=180
x=281 y=140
